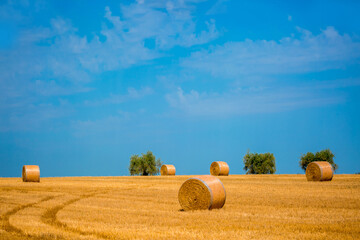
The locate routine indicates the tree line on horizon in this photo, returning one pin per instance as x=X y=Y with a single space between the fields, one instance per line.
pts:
x=254 y=163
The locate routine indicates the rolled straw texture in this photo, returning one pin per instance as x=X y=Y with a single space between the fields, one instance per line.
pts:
x=219 y=169
x=202 y=192
x=31 y=173
x=167 y=170
x=319 y=171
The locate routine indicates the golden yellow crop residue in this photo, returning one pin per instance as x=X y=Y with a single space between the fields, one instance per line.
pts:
x=257 y=207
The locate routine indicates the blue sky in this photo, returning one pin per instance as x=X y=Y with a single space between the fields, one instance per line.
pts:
x=86 y=84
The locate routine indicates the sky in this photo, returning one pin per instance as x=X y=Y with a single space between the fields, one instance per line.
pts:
x=84 y=85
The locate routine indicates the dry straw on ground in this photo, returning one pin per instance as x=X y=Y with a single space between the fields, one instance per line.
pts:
x=219 y=169
x=31 y=173
x=258 y=206
x=319 y=171
x=202 y=192
x=167 y=170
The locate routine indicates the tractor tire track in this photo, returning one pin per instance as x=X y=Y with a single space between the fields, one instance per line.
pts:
x=5 y=218
x=49 y=217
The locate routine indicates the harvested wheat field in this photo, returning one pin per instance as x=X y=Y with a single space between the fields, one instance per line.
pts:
x=257 y=207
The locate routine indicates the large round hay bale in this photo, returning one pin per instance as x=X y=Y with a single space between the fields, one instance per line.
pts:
x=319 y=171
x=202 y=192
x=219 y=169
x=31 y=173
x=167 y=170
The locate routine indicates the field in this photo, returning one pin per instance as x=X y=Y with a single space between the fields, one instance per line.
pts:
x=257 y=207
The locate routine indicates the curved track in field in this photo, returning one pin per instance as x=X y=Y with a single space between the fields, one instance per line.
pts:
x=5 y=218
x=49 y=217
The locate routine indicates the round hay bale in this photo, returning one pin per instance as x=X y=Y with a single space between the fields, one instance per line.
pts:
x=31 y=173
x=167 y=170
x=219 y=169
x=202 y=192
x=319 y=171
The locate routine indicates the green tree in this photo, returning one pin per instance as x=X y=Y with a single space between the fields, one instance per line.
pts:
x=323 y=155
x=263 y=163
x=144 y=165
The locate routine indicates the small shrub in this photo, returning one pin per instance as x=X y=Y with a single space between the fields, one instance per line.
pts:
x=144 y=165
x=263 y=163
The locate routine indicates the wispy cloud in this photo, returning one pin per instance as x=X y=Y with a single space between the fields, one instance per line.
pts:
x=118 y=123
x=25 y=116
x=308 y=53
x=61 y=53
x=132 y=94
x=267 y=99
x=258 y=65
x=168 y=23
x=8 y=10
x=54 y=59
x=100 y=126
x=51 y=88
x=218 y=8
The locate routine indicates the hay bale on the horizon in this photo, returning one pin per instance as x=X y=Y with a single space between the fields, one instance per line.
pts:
x=219 y=169
x=31 y=173
x=167 y=170
x=202 y=192
x=319 y=171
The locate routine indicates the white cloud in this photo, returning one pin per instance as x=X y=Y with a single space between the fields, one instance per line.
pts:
x=168 y=23
x=218 y=8
x=309 y=53
x=132 y=94
x=60 y=52
x=243 y=101
x=116 y=124
x=51 y=88
x=8 y=11
x=25 y=116
x=57 y=60
x=108 y=124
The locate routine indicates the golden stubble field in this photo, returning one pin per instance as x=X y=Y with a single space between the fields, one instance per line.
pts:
x=257 y=207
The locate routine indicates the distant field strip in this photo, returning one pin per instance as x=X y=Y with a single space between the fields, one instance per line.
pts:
x=257 y=207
